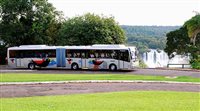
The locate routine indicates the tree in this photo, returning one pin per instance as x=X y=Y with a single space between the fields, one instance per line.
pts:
x=193 y=26
x=91 y=29
x=178 y=41
x=28 y=22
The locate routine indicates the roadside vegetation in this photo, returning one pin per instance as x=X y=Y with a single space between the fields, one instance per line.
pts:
x=115 y=101
x=27 y=77
x=186 y=41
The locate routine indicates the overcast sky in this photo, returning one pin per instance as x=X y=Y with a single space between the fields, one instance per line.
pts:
x=133 y=12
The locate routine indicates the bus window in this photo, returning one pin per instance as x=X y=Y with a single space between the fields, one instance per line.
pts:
x=114 y=54
x=12 y=54
x=124 y=55
x=73 y=54
x=107 y=54
x=78 y=54
x=51 y=53
x=91 y=54
x=102 y=55
x=86 y=53
x=83 y=54
x=68 y=54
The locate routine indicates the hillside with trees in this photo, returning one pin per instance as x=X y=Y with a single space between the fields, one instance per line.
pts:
x=145 y=37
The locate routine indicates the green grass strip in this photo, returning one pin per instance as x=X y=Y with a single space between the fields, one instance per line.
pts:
x=115 y=101
x=27 y=77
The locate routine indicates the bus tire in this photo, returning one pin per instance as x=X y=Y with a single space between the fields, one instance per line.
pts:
x=31 y=66
x=112 y=67
x=74 y=66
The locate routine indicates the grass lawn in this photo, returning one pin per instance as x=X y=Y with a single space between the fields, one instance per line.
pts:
x=25 y=77
x=115 y=101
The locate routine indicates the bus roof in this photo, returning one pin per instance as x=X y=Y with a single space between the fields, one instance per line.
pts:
x=96 y=46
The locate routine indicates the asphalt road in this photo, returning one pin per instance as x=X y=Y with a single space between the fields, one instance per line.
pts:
x=161 y=72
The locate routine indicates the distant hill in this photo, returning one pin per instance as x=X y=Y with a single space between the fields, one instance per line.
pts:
x=145 y=37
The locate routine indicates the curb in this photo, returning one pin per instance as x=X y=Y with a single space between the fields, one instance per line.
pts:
x=95 y=81
x=177 y=69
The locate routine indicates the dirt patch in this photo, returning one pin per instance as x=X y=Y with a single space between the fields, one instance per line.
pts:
x=7 y=91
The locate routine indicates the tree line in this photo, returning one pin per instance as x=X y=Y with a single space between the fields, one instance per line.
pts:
x=27 y=22
x=38 y=22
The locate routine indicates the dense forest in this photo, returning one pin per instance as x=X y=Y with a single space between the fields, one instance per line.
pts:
x=145 y=37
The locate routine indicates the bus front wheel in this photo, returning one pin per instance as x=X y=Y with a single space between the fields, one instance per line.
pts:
x=31 y=66
x=112 y=67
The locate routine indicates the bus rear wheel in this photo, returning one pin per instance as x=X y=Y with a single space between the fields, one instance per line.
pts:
x=112 y=67
x=74 y=66
x=31 y=66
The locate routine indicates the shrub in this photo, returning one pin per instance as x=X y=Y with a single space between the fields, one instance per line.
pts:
x=195 y=63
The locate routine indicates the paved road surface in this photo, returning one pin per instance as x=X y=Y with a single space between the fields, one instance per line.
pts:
x=162 y=72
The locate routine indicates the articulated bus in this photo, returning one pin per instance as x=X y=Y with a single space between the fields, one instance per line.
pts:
x=112 y=57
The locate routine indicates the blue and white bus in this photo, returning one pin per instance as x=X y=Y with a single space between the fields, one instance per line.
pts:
x=112 y=57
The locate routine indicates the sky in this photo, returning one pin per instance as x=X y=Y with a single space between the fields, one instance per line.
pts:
x=133 y=12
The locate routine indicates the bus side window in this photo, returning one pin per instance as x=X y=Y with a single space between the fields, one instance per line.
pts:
x=113 y=54
x=68 y=53
x=124 y=55
x=74 y=55
x=12 y=54
x=78 y=54
x=96 y=55
x=102 y=55
x=91 y=54
x=51 y=53
x=83 y=53
x=87 y=53
x=107 y=55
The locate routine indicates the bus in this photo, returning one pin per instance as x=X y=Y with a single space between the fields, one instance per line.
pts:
x=98 y=56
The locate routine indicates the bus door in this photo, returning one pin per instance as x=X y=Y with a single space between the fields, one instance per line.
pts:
x=121 y=64
x=84 y=58
x=18 y=62
x=84 y=63
x=124 y=59
x=87 y=62
x=60 y=57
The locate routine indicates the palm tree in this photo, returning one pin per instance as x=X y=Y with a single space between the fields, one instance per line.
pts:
x=193 y=26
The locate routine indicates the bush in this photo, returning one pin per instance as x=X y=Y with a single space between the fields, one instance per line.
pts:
x=3 y=51
x=142 y=64
x=195 y=63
